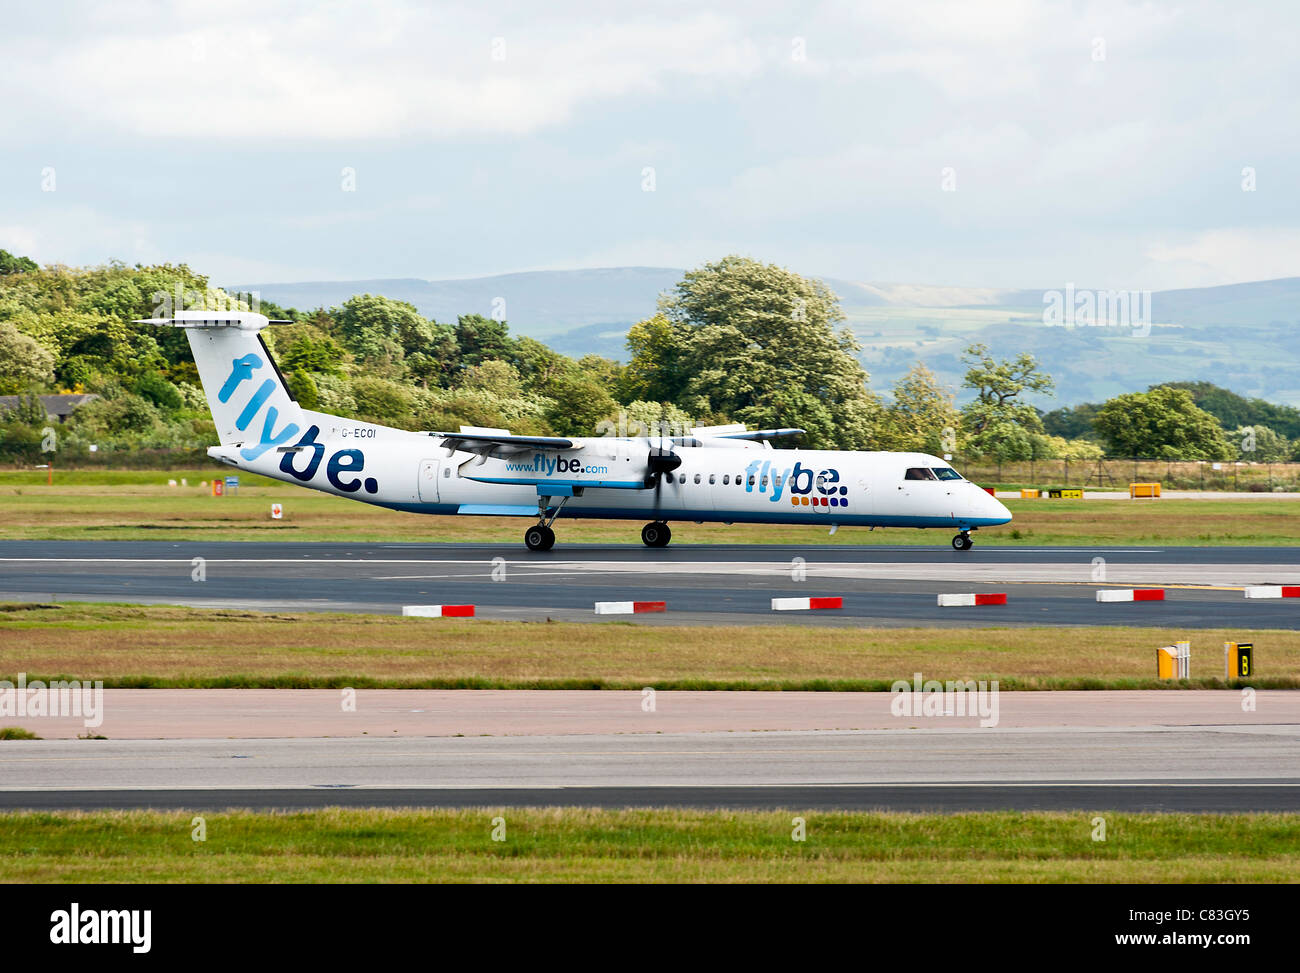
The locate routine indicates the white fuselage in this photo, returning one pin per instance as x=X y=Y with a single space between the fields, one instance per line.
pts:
x=605 y=478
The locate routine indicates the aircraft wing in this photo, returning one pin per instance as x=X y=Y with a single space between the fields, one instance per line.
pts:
x=760 y=434
x=474 y=442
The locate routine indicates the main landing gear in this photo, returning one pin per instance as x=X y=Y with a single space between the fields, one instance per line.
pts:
x=539 y=537
x=962 y=542
x=656 y=534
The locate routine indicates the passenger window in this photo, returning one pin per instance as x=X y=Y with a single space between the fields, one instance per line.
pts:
x=763 y=486
x=446 y=472
x=918 y=473
x=713 y=478
x=751 y=480
x=668 y=477
x=697 y=478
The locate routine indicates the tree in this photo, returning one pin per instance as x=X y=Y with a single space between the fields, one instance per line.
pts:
x=654 y=371
x=760 y=344
x=1234 y=411
x=311 y=351
x=577 y=405
x=480 y=339
x=24 y=362
x=10 y=264
x=1260 y=444
x=998 y=423
x=921 y=417
x=1163 y=423
x=303 y=388
x=1071 y=422
x=369 y=325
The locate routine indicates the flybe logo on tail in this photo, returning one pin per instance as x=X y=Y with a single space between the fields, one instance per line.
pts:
x=800 y=482
x=341 y=463
x=241 y=370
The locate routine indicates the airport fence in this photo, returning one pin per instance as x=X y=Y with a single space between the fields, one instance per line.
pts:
x=1116 y=474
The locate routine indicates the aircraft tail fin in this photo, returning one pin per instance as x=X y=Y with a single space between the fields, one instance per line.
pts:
x=250 y=402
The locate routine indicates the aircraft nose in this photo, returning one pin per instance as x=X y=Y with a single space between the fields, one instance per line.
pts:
x=996 y=509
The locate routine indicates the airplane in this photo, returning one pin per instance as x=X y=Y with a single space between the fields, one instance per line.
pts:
x=717 y=474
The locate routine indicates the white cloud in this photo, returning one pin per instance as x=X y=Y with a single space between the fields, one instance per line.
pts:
x=380 y=71
x=1225 y=256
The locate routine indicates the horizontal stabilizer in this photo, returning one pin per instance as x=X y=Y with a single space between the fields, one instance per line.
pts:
x=243 y=320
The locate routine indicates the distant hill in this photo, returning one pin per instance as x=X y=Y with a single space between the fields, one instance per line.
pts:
x=1241 y=336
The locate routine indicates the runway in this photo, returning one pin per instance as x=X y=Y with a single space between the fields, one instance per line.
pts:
x=1186 y=768
x=1191 y=750
x=720 y=584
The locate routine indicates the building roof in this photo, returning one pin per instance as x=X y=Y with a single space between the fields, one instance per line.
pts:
x=56 y=406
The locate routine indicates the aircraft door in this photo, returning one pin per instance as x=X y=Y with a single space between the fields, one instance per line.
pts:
x=430 y=473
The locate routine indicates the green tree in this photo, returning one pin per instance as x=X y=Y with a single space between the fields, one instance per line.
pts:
x=311 y=351
x=480 y=339
x=10 y=264
x=760 y=344
x=998 y=422
x=1260 y=444
x=577 y=405
x=1163 y=423
x=922 y=416
x=304 y=390
x=654 y=371
x=24 y=362
x=369 y=325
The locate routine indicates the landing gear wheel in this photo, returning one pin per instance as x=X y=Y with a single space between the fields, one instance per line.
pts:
x=962 y=542
x=656 y=534
x=539 y=538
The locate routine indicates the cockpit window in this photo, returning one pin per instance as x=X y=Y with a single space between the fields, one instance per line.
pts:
x=946 y=473
x=918 y=473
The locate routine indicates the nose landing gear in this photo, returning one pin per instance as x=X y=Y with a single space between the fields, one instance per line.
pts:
x=962 y=542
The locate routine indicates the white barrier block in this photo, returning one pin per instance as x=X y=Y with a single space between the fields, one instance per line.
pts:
x=615 y=607
x=790 y=604
x=956 y=601
x=1125 y=594
x=1264 y=591
x=423 y=611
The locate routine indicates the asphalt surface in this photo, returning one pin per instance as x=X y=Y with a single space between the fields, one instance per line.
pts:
x=1185 y=768
x=725 y=584
x=1231 y=798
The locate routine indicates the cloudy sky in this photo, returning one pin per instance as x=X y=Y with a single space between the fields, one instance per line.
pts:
x=1003 y=144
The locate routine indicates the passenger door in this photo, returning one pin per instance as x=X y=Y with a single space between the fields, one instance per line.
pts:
x=430 y=473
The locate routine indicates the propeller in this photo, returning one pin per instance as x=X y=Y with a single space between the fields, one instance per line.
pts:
x=660 y=460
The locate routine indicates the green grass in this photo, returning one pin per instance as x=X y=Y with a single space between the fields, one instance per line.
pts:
x=163 y=646
x=16 y=733
x=143 y=506
x=583 y=845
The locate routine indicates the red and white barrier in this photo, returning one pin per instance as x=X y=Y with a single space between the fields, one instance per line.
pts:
x=629 y=607
x=967 y=600
x=1131 y=594
x=1273 y=591
x=805 y=604
x=439 y=611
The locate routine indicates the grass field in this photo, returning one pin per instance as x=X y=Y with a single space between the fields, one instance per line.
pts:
x=166 y=646
x=579 y=845
x=140 y=505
